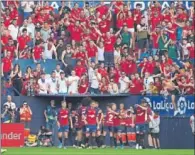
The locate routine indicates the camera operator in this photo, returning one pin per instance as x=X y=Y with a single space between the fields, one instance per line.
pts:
x=11 y=108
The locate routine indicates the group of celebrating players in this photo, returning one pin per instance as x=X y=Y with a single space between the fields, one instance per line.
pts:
x=92 y=124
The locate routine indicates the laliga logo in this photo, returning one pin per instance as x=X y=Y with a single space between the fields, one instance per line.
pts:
x=182 y=105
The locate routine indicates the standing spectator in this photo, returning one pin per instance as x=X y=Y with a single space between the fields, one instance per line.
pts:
x=23 y=40
x=80 y=69
x=6 y=115
x=49 y=50
x=25 y=118
x=100 y=54
x=11 y=47
x=45 y=31
x=43 y=86
x=155 y=129
x=124 y=83
x=103 y=86
x=37 y=52
x=147 y=81
x=13 y=30
x=142 y=35
x=11 y=108
x=58 y=71
x=73 y=81
x=95 y=80
x=6 y=66
x=50 y=114
x=52 y=83
x=27 y=8
x=192 y=124
x=16 y=76
x=62 y=83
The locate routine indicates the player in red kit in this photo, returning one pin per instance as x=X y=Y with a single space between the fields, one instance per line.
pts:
x=122 y=129
x=130 y=127
x=141 y=121
x=91 y=120
x=63 y=122
x=108 y=125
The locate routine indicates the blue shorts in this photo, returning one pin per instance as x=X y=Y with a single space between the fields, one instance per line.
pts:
x=140 y=128
x=83 y=129
x=91 y=128
x=108 y=128
x=117 y=129
x=122 y=129
x=130 y=129
x=63 y=128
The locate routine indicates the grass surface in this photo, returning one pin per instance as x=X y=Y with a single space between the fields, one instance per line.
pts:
x=108 y=151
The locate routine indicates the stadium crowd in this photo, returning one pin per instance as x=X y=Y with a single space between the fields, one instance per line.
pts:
x=101 y=49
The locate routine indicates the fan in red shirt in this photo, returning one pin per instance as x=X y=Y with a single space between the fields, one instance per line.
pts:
x=129 y=21
x=141 y=120
x=5 y=37
x=103 y=86
x=155 y=7
x=63 y=121
x=6 y=65
x=171 y=29
x=191 y=50
x=91 y=123
x=23 y=40
x=92 y=51
x=37 y=52
x=120 y=19
x=83 y=85
x=75 y=31
x=102 y=9
x=150 y=65
x=132 y=67
x=11 y=48
x=182 y=16
x=75 y=12
x=104 y=24
x=6 y=17
x=102 y=70
x=137 y=14
x=79 y=69
x=155 y=20
x=124 y=65
x=81 y=55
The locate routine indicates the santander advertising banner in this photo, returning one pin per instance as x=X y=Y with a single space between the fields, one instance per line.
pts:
x=12 y=135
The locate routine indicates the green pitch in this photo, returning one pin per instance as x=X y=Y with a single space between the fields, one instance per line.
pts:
x=108 y=151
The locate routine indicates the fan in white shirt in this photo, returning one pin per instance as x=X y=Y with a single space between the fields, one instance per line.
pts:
x=58 y=71
x=73 y=81
x=53 y=83
x=13 y=29
x=124 y=83
x=11 y=105
x=91 y=70
x=147 y=80
x=49 y=50
x=43 y=86
x=96 y=77
x=62 y=83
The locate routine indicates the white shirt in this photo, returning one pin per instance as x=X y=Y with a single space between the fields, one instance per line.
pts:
x=11 y=105
x=90 y=73
x=58 y=73
x=192 y=119
x=31 y=29
x=13 y=31
x=48 y=53
x=73 y=87
x=42 y=85
x=27 y=28
x=147 y=82
x=94 y=80
x=63 y=88
x=52 y=83
x=124 y=84
x=27 y=6
x=100 y=54
x=117 y=53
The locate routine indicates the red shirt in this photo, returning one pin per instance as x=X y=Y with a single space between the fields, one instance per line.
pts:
x=182 y=16
x=155 y=21
x=109 y=43
x=7 y=63
x=129 y=119
x=103 y=9
x=80 y=70
x=132 y=67
x=83 y=86
x=5 y=39
x=138 y=15
x=116 y=120
x=23 y=40
x=104 y=26
x=124 y=66
x=118 y=4
x=75 y=32
x=81 y=56
x=63 y=117
x=109 y=119
x=91 y=51
x=167 y=17
x=11 y=49
x=122 y=119
x=91 y=115
x=119 y=23
x=103 y=72
x=7 y=20
x=173 y=36
x=129 y=22
x=76 y=13
x=191 y=50
x=150 y=67
x=37 y=52
x=154 y=40
x=141 y=116
x=94 y=35
x=81 y=112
